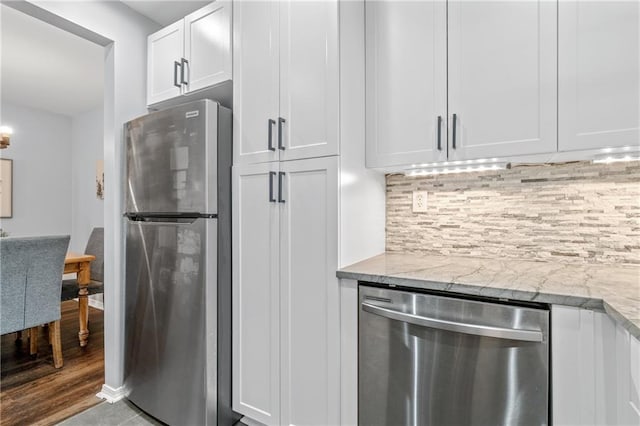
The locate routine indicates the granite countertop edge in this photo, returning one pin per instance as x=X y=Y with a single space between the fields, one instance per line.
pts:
x=592 y=302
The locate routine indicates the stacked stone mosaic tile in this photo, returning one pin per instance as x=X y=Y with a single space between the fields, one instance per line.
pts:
x=572 y=213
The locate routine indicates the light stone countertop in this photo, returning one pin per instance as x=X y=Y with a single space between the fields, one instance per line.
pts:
x=614 y=289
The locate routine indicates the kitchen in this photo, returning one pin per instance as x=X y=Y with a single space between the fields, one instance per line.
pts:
x=484 y=150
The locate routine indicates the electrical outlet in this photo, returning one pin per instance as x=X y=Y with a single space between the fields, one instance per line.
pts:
x=419 y=201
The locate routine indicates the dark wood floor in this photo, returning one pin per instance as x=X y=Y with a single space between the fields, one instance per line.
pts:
x=32 y=392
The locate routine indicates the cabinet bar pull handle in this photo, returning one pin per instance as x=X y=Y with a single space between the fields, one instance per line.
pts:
x=271 y=124
x=439 y=133
x=455 y=118
x=176 y=65
x=271 y=175
x=280 y=123
x=280 y=176
x=182 y=71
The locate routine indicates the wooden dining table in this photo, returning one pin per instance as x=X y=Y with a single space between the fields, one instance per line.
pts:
x=80 y=264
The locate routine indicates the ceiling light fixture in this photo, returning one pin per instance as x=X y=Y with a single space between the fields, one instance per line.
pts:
x=5 y=136
x=449 y=167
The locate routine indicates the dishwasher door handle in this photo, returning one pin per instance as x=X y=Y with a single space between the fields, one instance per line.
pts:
x=457 y=327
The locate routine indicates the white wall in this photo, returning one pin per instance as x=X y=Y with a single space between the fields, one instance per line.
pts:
x=87 y=210
x=362 y=198
x=362 y=191
x=40 y=150
x=123 y=32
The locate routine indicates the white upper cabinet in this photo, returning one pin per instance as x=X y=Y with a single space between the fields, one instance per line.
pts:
x=406 y=80
x=191 y=54
x=599 y=74
x=502 y=78
x=309 y=79
x=207 y=45
x=286 y=83
x=164 y=53
x=475 y=79
x=256 y=56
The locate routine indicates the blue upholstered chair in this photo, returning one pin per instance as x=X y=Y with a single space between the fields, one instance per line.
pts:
x=95 y=246
x=30 y=283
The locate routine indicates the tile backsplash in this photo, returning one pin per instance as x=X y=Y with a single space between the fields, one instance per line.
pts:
x=573 y=212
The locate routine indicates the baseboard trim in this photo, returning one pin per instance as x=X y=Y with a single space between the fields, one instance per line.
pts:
x=96 y=304
x=111 y=395
x=250 y=422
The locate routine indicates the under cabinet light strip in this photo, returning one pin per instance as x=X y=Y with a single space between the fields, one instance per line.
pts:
x=617 y=158
x=447 y=168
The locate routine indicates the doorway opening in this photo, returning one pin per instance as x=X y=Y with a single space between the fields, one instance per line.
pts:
x=53 y=99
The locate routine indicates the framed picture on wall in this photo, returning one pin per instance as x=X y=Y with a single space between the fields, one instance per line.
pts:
x=6 y=188
x=100 y=179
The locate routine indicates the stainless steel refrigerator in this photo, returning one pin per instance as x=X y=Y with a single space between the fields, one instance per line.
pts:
x=178 y=264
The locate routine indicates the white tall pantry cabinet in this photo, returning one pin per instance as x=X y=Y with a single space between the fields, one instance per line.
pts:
x=286 y=326
x=298 y=165
x=256 y=294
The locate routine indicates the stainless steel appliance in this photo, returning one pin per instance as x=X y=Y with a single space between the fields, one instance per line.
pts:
x=178 y=264
x=432 y=360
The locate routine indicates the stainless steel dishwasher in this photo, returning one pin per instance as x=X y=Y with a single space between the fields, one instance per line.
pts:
x=433 y=360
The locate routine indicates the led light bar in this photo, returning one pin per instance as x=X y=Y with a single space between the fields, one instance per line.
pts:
x=455 y=167
x=617 y=157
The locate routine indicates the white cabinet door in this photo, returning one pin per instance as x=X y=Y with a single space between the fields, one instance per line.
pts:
x=256 y=81
x=207 y=45
x=573 y=373
x=628 y=377
x=502 y=78
x=596 y=369
x=310 y=328
x=599 y=74
x=309 y=79
x=256 y=294
x=164 y=49
x=633 y=403
x=406 y=79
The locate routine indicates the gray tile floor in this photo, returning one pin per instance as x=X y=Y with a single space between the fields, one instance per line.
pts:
x=122 y=413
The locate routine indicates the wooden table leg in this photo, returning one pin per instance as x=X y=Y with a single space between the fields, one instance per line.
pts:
x=83 y=305
x=33 y=340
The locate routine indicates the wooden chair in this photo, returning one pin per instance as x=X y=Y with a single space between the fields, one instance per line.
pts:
x=95 y=246
x=30 y=283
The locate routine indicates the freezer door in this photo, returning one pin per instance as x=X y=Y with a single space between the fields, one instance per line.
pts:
x=170 y=278
x=171 y=160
